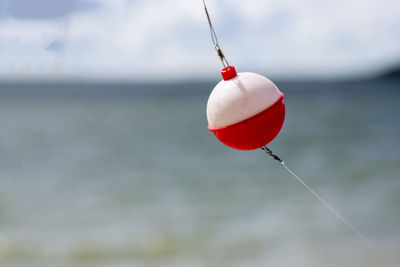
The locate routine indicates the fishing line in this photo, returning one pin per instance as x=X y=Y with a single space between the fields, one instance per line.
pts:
x=214 y=39
x=322 y=200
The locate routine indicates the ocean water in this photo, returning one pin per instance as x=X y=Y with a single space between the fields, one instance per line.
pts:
x=132 y=177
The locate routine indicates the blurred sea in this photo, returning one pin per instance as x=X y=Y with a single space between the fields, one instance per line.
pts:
x=124 y=175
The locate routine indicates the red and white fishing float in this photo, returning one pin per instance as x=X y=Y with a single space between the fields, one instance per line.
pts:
x=245 y=110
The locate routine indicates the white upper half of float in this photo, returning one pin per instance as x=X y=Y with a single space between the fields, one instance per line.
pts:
x=240 y=98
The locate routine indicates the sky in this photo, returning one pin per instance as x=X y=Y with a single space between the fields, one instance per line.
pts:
x=157 y=40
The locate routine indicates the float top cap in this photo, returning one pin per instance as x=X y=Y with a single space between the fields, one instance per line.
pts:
x=228 y=73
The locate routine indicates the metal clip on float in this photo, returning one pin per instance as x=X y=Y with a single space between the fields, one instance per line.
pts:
x=269 y=152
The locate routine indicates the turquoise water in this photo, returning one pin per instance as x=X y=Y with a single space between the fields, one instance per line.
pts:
x=137 y=180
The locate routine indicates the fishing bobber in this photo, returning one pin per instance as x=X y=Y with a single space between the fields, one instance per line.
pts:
x=245 y=110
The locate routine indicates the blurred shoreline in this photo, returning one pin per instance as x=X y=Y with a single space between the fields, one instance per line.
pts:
x=385 y=80
x=182 y=88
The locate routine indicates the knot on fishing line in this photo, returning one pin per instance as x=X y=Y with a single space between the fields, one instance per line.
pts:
x=220 y=54
x=269 y=152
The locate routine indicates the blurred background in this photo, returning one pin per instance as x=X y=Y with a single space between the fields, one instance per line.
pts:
x=105 y=156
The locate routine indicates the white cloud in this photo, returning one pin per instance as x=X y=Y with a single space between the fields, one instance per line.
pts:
x=169 y=39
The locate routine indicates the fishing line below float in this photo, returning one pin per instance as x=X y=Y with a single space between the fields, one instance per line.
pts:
x=244 y=132
x=322 y=200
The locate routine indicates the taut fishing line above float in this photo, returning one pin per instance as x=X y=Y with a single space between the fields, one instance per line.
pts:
x=246 y=111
